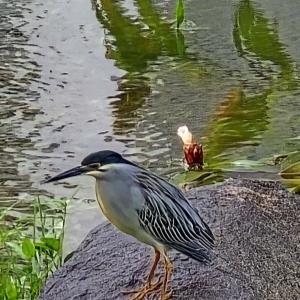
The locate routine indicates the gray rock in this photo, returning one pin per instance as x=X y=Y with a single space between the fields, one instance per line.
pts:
x=257 y=255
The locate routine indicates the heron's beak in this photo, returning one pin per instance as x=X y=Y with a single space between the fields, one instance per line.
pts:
x=70 y=173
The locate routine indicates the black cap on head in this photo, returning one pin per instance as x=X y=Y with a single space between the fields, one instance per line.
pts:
x=105 y=157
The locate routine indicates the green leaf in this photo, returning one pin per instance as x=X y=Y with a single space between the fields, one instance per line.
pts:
x=51 y=243
x=69 y=256
x=295 y=189
x=292 y=170
x=28 y=248
x=11 y=290
x=200 y=177
x=179 y=13
x=40 y=246
x=188 y=176
x=35 y=266
x=249 y=166
x=16 y=248
x=291 y=182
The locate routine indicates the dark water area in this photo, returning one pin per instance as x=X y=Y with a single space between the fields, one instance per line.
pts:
x=78 y=76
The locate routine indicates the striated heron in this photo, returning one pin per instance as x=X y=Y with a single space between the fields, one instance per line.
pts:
x=147 y=207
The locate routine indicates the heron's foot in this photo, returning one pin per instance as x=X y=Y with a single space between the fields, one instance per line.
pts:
x=166 y=296
x=149 y=288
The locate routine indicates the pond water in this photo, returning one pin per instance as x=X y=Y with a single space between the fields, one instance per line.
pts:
x=79 y=76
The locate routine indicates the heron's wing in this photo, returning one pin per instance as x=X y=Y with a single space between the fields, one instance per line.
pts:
x=169 y=218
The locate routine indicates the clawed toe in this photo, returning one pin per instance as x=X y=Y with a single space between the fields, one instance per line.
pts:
x=166 y=296
x=162 y=282
x=142 y=293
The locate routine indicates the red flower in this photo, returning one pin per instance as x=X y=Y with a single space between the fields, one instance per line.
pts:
x=193 y=152
x=193 y=155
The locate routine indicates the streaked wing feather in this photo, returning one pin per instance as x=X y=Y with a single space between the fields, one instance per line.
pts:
x=170 y=218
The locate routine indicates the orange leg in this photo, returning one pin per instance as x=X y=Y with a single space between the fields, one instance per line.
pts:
x=165 y=295
x=149 y=287
x=154 y=266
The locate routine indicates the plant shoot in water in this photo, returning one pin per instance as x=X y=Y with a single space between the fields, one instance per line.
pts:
x=179 y=13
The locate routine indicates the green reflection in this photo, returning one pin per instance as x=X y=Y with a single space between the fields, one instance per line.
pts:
x=126 y=43
x=137 y=44
x=241 y=120
x=258 y=41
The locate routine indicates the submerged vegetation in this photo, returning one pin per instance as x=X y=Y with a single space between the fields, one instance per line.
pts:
x=31 y=248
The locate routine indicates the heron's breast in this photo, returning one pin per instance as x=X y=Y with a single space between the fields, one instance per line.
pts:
x=106 y=207
x=120 y=213
x=114 y=211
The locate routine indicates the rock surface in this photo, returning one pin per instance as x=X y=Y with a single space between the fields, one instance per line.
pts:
x=257 y=254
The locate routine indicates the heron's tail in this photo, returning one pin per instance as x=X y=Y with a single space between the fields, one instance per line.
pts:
x=193 y=251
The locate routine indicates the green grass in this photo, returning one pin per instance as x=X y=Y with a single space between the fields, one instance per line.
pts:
x=31 y=248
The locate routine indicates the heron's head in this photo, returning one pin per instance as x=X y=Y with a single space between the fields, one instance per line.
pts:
x=185 y=134
x=94 y=165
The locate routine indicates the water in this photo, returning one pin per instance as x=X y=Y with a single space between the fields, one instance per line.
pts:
x=78 y=76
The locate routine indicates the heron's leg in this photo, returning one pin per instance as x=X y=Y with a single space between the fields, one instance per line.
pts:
x=154 y=266
x=149 y=287
x=165 y=295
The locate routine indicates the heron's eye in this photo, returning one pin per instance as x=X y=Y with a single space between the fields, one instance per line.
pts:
x=95 y=166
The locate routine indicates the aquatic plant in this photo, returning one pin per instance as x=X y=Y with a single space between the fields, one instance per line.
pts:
x=283 y=167
x=180 y=14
